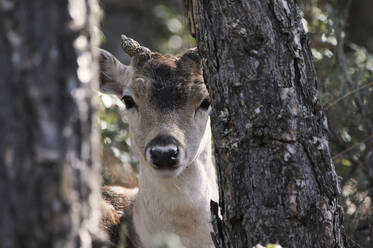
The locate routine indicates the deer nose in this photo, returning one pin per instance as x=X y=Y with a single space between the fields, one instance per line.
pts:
x=164 y=156
x=163 y=152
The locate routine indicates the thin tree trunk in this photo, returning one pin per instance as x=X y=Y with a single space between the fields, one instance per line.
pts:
x=276 y=177
x=49 y=175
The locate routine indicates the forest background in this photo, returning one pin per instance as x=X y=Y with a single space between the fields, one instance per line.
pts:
x=341 y=38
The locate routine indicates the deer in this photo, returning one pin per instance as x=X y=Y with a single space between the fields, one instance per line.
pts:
x=168 y=108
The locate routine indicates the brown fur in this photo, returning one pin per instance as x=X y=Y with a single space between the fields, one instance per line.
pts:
x=110 y=221
x=172 y=78
x=116 y=210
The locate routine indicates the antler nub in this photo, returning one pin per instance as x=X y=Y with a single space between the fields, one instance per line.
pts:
x=132 y=47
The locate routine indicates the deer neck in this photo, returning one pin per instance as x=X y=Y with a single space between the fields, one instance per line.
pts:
x=179 y=205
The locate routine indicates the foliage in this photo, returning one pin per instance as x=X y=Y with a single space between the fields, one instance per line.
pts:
x=115 y=143
x=179 y=38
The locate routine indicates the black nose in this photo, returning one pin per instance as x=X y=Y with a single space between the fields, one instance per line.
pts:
x=164 y=156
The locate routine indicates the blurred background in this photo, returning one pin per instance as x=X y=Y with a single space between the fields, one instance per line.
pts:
x=341 y=38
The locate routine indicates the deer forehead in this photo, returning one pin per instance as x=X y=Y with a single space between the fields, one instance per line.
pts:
x=168 y=82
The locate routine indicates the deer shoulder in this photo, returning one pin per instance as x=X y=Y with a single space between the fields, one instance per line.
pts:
x=116 y=214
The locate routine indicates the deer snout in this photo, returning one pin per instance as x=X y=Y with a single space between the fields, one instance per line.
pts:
x=164 y=157
x=163 y=152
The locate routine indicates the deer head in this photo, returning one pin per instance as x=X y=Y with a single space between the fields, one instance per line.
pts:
x=166 y=103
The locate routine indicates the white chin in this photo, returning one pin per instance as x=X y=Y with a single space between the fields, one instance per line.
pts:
x=167 y=173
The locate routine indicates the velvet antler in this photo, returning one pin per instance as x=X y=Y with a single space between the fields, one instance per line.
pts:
x=132 y=47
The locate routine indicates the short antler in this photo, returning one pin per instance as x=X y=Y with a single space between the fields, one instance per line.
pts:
x=132 y=47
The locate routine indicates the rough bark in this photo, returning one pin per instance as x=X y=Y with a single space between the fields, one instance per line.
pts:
x=276 y=177
x=48 y=147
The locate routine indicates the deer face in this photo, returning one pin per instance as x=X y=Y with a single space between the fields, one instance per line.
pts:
x=167 y=105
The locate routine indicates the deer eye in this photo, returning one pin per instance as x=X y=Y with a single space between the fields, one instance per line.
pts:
x=205 y=104
x=128 y=101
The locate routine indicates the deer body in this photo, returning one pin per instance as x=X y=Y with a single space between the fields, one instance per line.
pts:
x=168 y=112
x=181 y=205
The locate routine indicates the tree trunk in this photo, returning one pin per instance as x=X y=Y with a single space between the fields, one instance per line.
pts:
x=276 y=177
x=49 y=175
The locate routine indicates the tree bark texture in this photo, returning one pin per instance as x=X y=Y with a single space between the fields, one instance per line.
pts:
x=49 y=175
x=276 y=177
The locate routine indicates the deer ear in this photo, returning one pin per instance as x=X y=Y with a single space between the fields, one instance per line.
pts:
x=193 y=54
x=112 y=74
x=191 y=60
